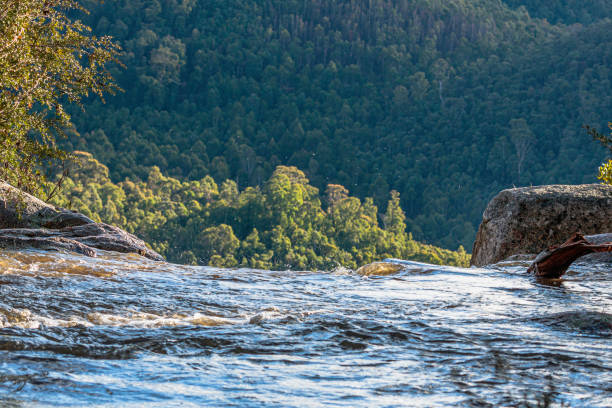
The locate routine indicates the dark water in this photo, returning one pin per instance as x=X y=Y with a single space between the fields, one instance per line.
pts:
x=126 y=332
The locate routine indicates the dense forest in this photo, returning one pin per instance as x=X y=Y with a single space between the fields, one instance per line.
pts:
x=283 y=225
x=444 y=101
x=566 y=11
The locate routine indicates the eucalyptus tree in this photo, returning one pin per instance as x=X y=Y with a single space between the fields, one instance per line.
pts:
x=47 y=60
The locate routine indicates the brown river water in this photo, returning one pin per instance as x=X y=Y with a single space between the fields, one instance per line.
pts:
x=123 y=331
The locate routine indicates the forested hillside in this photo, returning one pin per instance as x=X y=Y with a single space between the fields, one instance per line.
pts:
x=280 y=226
x=566 y=11
x=445 y=101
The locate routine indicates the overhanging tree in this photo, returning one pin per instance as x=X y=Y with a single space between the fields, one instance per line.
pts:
x=605 y=170
x=47 y=60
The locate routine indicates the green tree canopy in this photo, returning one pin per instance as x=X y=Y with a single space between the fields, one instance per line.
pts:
x=280 y=226
x=46 y=60
x=605 y=170
x=445 y=101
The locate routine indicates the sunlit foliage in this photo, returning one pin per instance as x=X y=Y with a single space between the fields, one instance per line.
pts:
x=605 y=170
x=47 y=60
x=280 y=226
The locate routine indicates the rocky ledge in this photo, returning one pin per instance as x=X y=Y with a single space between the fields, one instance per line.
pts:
x=27 y=222
x=528 y=220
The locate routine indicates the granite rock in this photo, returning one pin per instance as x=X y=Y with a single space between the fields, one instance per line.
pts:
x=530 y=219
x=27 y=222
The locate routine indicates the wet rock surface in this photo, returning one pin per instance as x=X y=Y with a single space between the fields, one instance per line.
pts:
x=27 y=222
x=530 y=219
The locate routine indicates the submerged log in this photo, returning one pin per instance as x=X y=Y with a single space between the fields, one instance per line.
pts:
x=554 y=262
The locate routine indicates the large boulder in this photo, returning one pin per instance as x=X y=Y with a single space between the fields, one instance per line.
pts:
x=530 y=219
x=27 y=222
x=21 y=210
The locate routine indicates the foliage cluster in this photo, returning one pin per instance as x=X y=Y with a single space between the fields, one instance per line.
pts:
x=46 y=60
x=447 y=102
x=282 y=225
x=605 y=170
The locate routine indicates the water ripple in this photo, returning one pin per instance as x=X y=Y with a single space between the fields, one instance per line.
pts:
x=123 y=331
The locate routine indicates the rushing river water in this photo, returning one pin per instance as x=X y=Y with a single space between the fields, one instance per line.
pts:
x=119 y=330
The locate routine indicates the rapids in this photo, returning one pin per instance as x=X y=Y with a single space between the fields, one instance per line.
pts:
x=120 y=330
